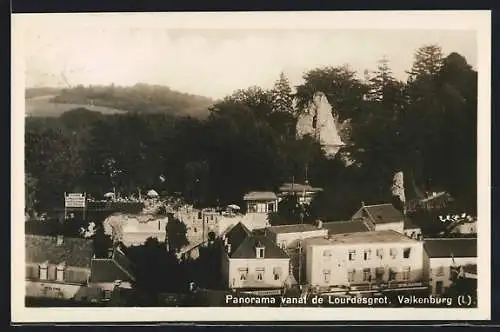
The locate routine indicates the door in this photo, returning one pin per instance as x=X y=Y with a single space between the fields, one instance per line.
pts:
x=439 y=287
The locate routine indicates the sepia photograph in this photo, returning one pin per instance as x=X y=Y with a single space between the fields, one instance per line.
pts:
x=251 y=166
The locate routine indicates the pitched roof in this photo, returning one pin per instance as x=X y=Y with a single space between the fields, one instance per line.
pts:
x=448 y=247
x=383 y=213
x=295 y=228
x=75 y=252
x=247 y=248
x=260 y=195
x=243 y=244
x=118 y=267
x=342 y=227
x=237 y=234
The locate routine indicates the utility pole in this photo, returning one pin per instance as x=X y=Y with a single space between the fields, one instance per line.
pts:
x=300 y=245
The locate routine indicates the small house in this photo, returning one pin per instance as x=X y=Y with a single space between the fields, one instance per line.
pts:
x=253 y=263
x=446 y=258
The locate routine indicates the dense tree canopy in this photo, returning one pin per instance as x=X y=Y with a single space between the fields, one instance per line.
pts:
x=425 y=127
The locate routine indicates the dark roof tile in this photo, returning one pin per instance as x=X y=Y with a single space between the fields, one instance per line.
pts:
x=448 y=247
x=383 y=213
x=343 y=227
x=75 y=252
x=294 y=228
x=243 y=244
x=110 y=269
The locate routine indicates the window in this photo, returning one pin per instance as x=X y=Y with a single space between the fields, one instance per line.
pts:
x=352 y=255
x=392 y=275
x=260 y=273
x=43 y=271
x=327 y=254
x=252 y=207
x=393 y=253
x=326 y=276
x=440 y=271
x=243 y=274
x=106 y=294
x=283 y=244
x=367 y=255
x=260 y=252
x=60 y=272
x=405 y=275
x=211 y=217
x=380 y=253
x=406 y=252
x=413 y=235
x=439 y=287
x=277 y=273
x=199 y=215
x=270 y=207
x=367 y=274
x=379 y=273
x=350 y=275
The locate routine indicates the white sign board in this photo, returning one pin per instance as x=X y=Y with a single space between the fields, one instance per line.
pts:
x=74 y=200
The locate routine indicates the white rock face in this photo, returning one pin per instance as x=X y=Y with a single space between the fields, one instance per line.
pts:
x=319 y=123
x=398 y=188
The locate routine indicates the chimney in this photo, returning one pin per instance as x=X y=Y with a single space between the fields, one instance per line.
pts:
x=60 y=240
x=362 y=203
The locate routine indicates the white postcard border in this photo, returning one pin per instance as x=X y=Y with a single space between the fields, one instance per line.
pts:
x=479 y=21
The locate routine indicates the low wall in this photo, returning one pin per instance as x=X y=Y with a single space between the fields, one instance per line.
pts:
x=56 y=290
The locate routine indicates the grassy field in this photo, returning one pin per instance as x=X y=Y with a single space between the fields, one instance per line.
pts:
x=42 y=106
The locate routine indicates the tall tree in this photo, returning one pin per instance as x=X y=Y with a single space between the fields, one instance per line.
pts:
x=428 y=61
x=176 y=234
x=281 y=93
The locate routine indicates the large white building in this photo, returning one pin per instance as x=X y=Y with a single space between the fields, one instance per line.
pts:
x=253 y=263
x=364 y=260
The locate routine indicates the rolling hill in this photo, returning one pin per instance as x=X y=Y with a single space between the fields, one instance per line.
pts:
x=142 y=98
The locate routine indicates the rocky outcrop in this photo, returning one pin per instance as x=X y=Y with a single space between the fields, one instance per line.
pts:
x=318 y=122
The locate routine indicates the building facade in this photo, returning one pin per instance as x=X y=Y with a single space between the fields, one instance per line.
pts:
x=253 y=263
x=66 y=268
x=58 y=267
x=366 y=260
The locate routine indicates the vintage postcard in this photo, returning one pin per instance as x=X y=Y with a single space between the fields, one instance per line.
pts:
x=251 y=166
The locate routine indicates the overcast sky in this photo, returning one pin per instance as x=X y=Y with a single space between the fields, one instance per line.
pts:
x=215 y=62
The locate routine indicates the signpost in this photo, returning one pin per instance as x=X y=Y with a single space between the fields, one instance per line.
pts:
x=75 y=200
